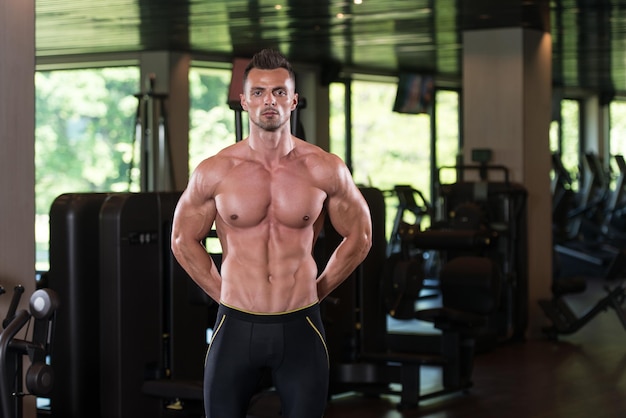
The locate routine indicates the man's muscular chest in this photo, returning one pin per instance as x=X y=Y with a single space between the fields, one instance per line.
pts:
x=251 y=195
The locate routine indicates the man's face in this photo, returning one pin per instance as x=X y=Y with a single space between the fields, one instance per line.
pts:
x=269 y=97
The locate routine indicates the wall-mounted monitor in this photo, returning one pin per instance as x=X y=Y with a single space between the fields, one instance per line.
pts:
x=415 y=93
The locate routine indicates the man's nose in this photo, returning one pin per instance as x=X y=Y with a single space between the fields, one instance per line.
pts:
x=269 y=99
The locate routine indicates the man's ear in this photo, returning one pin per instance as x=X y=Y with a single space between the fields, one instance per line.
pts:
x=242 y=101
x=294 y=104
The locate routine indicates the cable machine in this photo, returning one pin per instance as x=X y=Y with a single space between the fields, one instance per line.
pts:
x=152 y=136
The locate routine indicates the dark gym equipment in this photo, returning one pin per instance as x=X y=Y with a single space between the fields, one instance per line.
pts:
x=182 y=395
x=594 y=252
x=613 y=227
x=585 y=219
x=15 y=300
x=563 y=198
x=39 y=379
x=500 y=206
x=362 y=358
x=460 y=324
x=584 y=240
x=481 y=241
x=129 y=318
x=407 y=203
x=130 y=303
x=149 y=338
x=74 y=272
x=412 y=269
x=564 y=320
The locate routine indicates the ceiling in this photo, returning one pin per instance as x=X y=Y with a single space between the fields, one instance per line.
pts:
x=375 y=36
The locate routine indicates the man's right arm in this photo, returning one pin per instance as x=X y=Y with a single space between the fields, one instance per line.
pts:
x=193 y=219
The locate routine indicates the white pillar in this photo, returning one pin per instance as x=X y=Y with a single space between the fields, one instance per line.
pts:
x=315 y=116
x=17 y=155
x=506 y=106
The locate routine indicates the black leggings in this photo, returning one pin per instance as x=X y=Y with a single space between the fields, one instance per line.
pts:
x=292 y=345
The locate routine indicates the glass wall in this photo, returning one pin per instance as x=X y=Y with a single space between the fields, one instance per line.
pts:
x=447 y=144
x=84 y=138
x=570 y=136
x=338 y=134
x=617 y=142
x=565 y=138
x=388 y=148
x=212 y=122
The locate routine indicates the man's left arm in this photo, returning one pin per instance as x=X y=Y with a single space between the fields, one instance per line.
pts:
x=350 y=216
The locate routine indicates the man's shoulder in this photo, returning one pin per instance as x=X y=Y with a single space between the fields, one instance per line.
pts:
x=327 y=170
x=232 y=151
x=224 y=158
x=214 y=169
x=313 y=151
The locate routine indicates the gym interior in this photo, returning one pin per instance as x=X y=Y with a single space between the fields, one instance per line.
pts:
x=500 y=293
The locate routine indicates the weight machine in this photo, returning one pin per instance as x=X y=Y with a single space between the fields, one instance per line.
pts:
x=501 y=206
x=128 y=317
x=39 y=378
x=152 y=137
x=363 y=356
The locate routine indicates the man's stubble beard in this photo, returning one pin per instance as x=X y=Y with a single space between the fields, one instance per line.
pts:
x=271 y=125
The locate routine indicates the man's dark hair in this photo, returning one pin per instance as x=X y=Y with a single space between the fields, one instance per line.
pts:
x=269 y=59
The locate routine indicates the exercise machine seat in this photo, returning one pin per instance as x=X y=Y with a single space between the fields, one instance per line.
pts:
x=470 y=288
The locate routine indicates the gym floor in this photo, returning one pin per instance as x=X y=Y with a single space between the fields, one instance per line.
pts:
x=582 y=375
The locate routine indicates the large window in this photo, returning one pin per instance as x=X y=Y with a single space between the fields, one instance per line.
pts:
x=617 y=144
x=388 y=148
x=338 y=115
x=84 y=138
x=570 y=140
x=565 y=138
x=447 y=129
x=212 y=122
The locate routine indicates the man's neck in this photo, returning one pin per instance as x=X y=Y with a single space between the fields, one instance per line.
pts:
x=270 y=146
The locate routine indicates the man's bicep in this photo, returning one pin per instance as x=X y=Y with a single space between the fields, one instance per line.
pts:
x=194 y=215
x=349 y=213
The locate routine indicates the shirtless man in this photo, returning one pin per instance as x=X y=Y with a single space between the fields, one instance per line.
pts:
x=268 y=195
